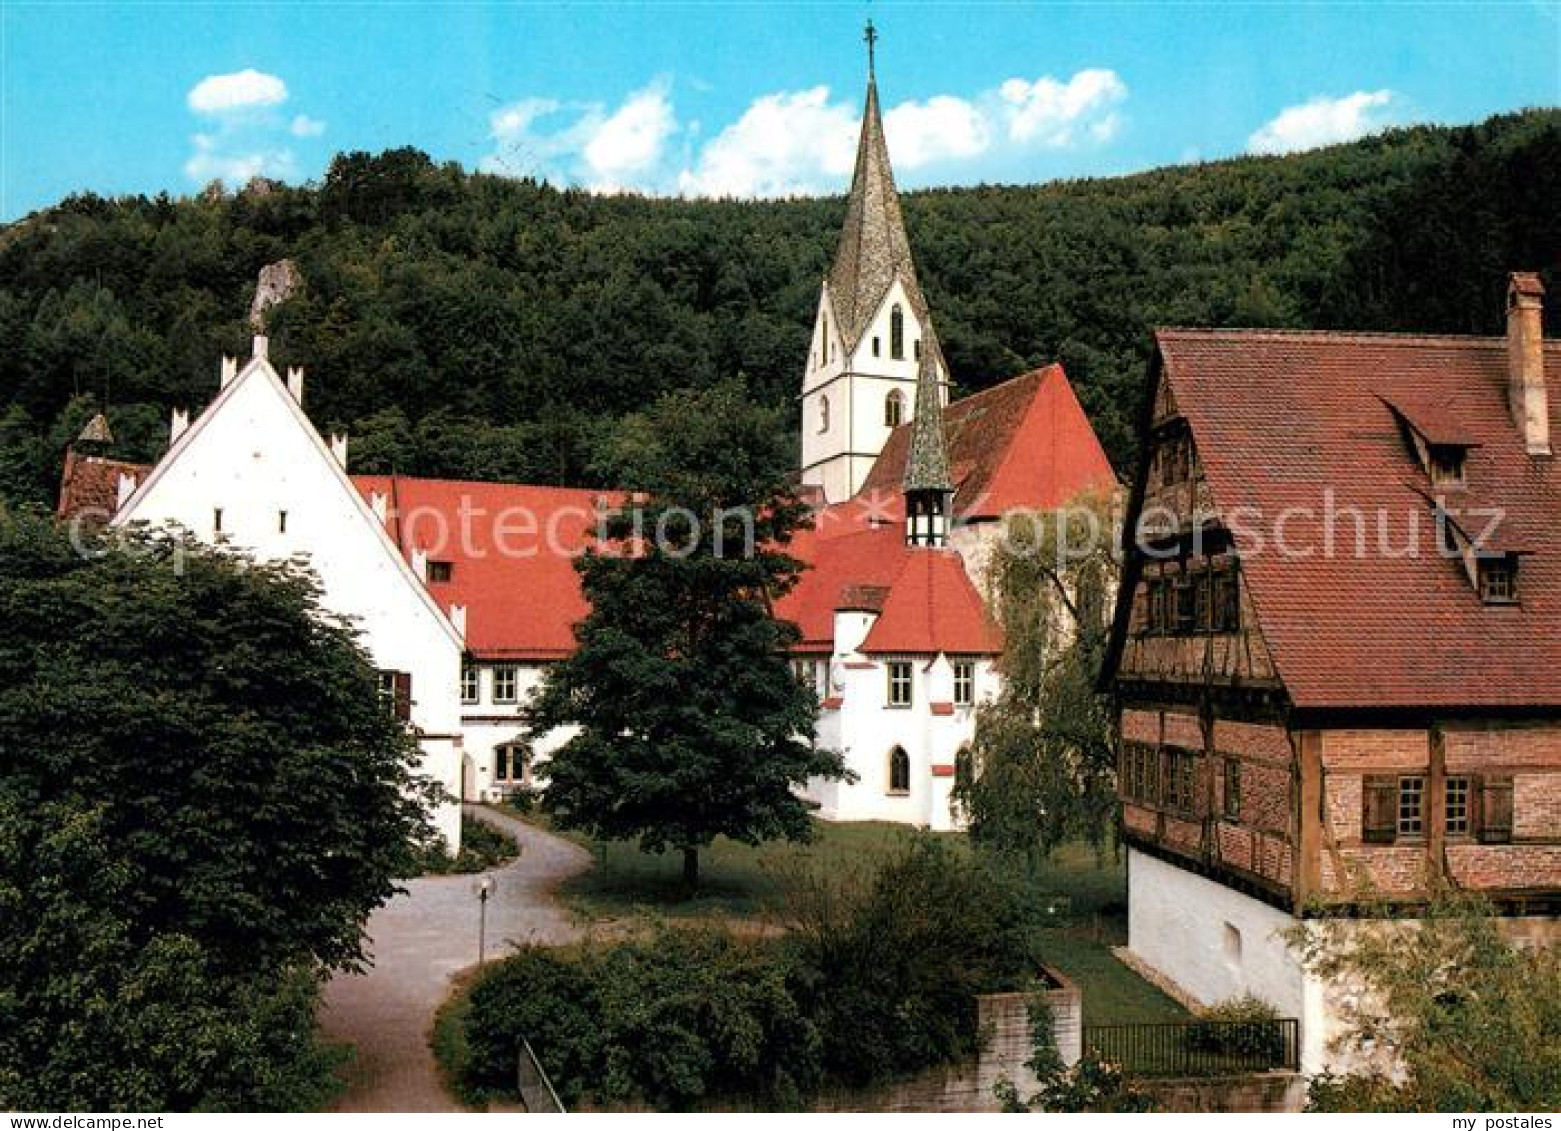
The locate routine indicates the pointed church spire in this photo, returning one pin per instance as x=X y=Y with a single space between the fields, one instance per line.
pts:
x=928 y=484
x=873 y=250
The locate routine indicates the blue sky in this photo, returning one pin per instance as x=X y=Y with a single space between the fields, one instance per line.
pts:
x=730 y=99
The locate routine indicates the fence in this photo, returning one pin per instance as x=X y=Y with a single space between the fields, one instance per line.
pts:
x=1199 y=1048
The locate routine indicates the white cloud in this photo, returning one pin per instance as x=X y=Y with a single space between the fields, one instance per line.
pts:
x=240 y=90
x=214 y=158
x=942 y=128
x=244 y=134
x=582 y=143
x=784 y=144
x=793 y=142
x=629 y=142
x=1324 y=121
x=1058 y=115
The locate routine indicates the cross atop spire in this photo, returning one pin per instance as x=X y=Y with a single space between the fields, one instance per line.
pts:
x=870 y=37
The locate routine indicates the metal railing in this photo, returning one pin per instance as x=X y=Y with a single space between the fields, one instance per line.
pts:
x=536 y=1090
x=1199 y=1048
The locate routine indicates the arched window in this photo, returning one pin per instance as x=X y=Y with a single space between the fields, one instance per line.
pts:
x=823 y=414
x=897 y=333
x=893 y=409
x=899 y=770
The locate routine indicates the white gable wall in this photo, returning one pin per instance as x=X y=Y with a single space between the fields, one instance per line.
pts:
x=255 y=456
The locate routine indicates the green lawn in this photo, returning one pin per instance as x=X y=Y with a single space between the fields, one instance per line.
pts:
x=744 y=886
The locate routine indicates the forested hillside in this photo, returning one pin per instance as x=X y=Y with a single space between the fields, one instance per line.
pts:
x=468 y=325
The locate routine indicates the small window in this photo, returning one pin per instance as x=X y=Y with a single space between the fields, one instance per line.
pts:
x=1202 y=601
x=395 y=689
x=1140 y=772
x=1186 y=604
x=893 y=409
x=281 y=522
x=1457 y=806
x=1232 y=944
x=806 y=673
x=1180 y=772
x=440 y=571
x=897 y=333
x=506 y=684
x=216 y=520
x=876 y=347
x=1499 y=580
x=899 y=771
x=1411 y=807
x=471 y=683
x=1231 y=805
x=1226 y=598
x=1446 y=465
x=900 y=683
x=916 y=348
x=823 y=414
x=964 y=682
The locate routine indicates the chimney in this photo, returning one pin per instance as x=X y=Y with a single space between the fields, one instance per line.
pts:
x=295 y=382
x=229 y=370
x=178 y=426
x=1526 y=395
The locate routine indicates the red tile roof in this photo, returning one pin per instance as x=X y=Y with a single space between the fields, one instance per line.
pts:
x=1279 y=418
x=91 y=484
x=1023 y=444
x=512 y=556
x=933 y=607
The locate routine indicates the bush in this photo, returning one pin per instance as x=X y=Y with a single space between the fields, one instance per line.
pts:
x=1246 y=1026
x=893 y=965
x=876 y=979
x=669 y=1021
x=482 y=847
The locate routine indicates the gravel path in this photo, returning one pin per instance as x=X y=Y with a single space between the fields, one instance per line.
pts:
x=418 y=941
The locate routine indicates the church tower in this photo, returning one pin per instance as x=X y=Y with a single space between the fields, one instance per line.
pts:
x=928 y=486
x=872 y=329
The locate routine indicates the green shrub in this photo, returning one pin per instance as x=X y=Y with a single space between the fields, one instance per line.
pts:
x=893 y=965
x=1245 y=1026
x=482 y=847
x=668 y=1021
x=876 y=979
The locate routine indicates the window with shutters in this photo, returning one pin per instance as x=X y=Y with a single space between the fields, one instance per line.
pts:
x=1379 y=813
x=1457 y=807
x=395 y=688
x=1496 y=810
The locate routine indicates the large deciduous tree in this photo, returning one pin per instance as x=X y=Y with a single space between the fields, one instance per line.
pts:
x=201 y=800
x=1043 y=767
x=691 y=721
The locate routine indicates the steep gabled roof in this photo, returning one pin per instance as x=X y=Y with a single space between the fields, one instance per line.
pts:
x=933 y=607
x=1023 y=444
x=927 y=466
x=1282 y=419
x=873 y=251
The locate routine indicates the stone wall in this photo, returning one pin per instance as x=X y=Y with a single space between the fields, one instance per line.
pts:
x=1005 y=1026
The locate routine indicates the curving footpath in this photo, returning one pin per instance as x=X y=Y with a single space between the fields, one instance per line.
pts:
x=417 y=942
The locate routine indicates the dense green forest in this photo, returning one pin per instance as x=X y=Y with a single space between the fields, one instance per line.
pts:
x=469 y=325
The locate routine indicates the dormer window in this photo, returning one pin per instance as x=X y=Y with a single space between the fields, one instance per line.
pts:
x=1445 y=462
x=1499 y=579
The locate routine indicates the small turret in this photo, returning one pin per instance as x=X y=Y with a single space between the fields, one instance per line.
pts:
x=928 y=484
